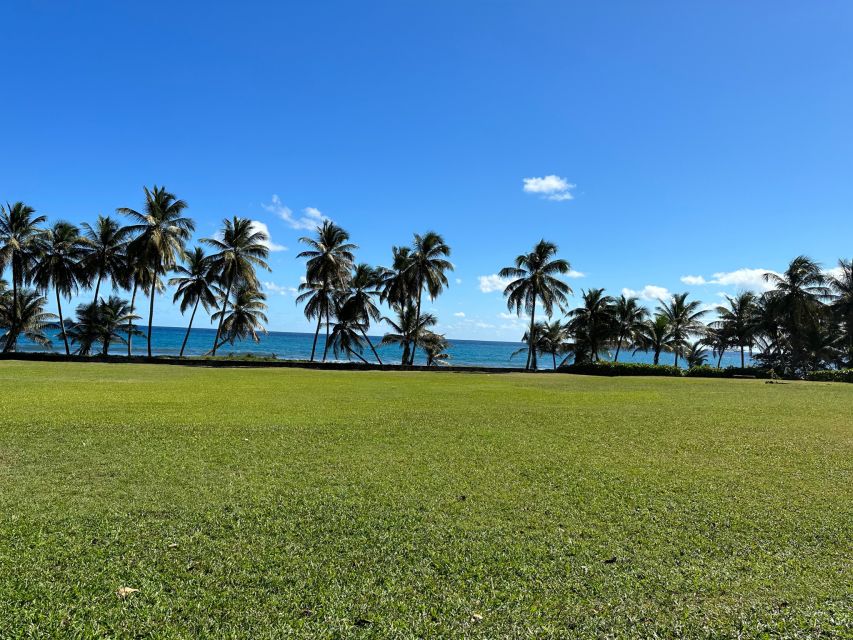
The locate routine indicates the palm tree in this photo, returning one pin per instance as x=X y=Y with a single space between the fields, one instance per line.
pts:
x=246 y=317
x=630 y=318
x=103 y=322
x=535 y=282
x=19 y=233
x=656 y=336
x=435 y=347
x=346 y=338
x=428 y=268
x=195 y=284
x=738 y=320
x=240 y=250
x=359 y=305
x=407 y=330
x=683 y=318
x=696 y=355
x=329 y=260
x=717 y=337
x=594 y=323
x=842 y=302
x=143 y=278
x=61 y=251
x=161 y=235
x=107 y=247
x=24 y=315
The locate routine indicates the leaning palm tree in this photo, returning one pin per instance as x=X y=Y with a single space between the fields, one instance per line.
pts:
x=346 y=338
x=19 y=233
x=684 y=320
x=738 y=320
x=428 y=267
x=161 y=233
x=359 y=302
x=842 y=303
x=246 y=318
x=534 y=281
x=24 y=316
x=435 y=346
x=240 y=249
x=106 y=252
x=140 y=277
x=407 y=331
x=195 y=285
x=656 y=336
x=630 y=318
x=329 y=260
x=594 y=323
x=719 y=338
x=103 y=321
x=61 y=252
x=695 y=354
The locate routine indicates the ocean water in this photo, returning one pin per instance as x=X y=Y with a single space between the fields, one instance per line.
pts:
x=297 y=346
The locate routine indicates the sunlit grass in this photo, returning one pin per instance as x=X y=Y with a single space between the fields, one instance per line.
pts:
x=260 y=502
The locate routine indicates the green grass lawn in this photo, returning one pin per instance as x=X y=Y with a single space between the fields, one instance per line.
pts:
x=266 y=502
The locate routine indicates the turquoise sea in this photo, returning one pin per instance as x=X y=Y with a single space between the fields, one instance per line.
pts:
x=297 y=346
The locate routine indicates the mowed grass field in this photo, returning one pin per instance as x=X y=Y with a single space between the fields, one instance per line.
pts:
x=264 y=503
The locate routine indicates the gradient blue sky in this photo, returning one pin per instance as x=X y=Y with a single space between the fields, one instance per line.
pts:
x=703 y=138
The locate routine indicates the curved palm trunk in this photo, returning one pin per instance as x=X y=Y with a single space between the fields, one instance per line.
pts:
x=378 y=359
x=97 y=288
x=657 y=357
x=358 y=355
x=130 y=320
x=531 y=338
x=221 y=317
x=12 y=335
x=618 y=347
x=151 y=313
x=326 y=346
x=316 y=335
x=417 y=320
x=62 y=324
x=189 y=328
x=554 y=358
x=720 y=360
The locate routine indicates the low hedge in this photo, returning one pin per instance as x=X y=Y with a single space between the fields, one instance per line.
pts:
x=621 y=369
x=727 y=372
x=831 y=375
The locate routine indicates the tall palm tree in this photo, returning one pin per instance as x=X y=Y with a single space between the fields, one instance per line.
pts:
x=19 y=233
x=594 y=323
x=428 y=267
x=656 y=336
x=738 y=320
x=24 y=316
x=240 y=250
x=535 y=281
x=407 y=330
x=106 y=255
x=842 y=302
x=246 y=317
x=359 y=304
x=329 y=261
x=195 y=285
x=684 y=320
x=61 y=252
x=161 y=233
x=630 y=318
x=140 y=277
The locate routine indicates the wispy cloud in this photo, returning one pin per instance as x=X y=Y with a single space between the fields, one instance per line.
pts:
x=272 y=287
x=257 y=225
x=550 y=187
x=650 y=292
x=752 y=279
x=459 y=314
x=310 y=218
x=493 y=282
x=575 y=274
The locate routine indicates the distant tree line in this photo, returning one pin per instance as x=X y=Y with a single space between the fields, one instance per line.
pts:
x=803 y=323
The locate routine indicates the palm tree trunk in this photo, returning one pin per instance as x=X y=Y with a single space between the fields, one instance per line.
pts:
x=417 y=319
x=221 y=316
x=186 y=337
x=326 y=346
x=316 y=334
x=741 y=357
x=97 y=289
x=531 y=337
x=720 y=359
x=129 y=320
x=657 y=357
x=378 y=359
x=62 y=324
x=11 y=336
x=554 y=358
x=151 y=311
x=358 y=355
x=618 y=347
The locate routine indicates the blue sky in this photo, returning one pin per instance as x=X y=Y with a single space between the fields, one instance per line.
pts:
x=701 y=138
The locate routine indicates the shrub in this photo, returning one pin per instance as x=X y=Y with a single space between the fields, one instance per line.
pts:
x=622 y=369
x=728 y=372
x=831 y=375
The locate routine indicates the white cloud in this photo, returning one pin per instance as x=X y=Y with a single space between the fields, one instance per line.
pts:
x=459 y=314
x=269 y=244
x=507 y=316
x=650 y=292
x=272 y=287
x=576 y=274
x=458 y=280
x=493 y=282
x=835 y=272
x=550 y=187
x=310 y=218
x=752 y=279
